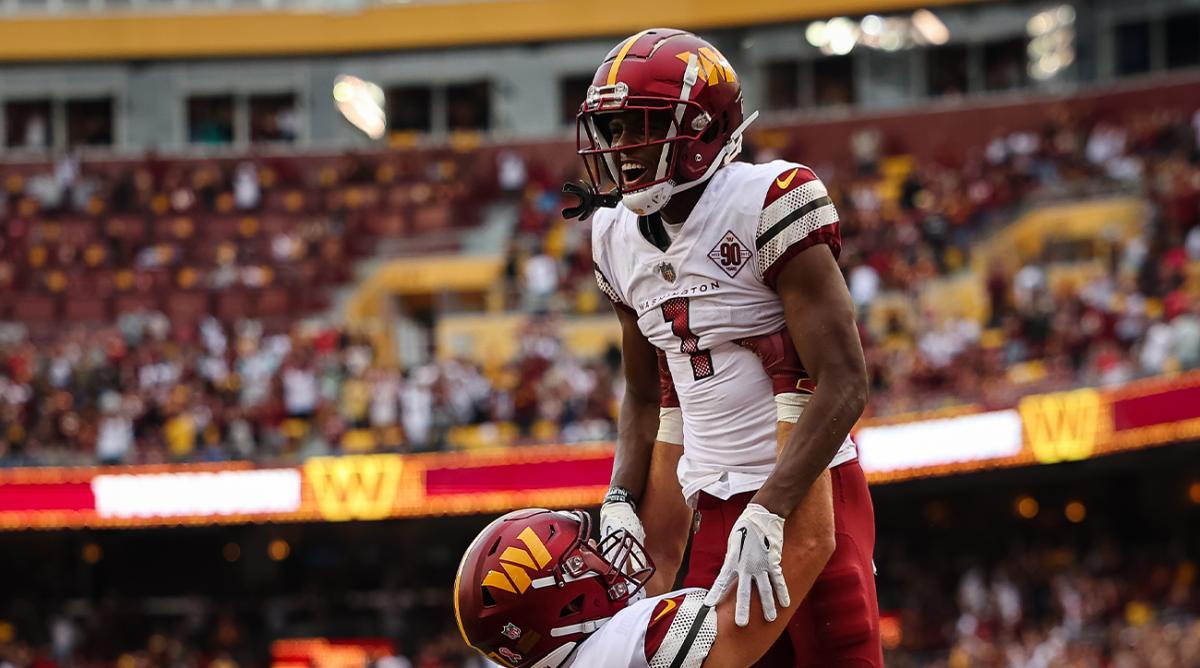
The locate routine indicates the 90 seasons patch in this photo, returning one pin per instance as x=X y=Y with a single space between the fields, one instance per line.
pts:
x=730 y=254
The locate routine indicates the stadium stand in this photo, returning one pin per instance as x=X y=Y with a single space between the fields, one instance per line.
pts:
x=205 y=363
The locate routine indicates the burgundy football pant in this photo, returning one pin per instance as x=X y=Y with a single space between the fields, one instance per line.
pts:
x=837 y=624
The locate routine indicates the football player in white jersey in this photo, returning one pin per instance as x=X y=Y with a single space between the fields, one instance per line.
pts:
x=534 y=590
x=730 y=271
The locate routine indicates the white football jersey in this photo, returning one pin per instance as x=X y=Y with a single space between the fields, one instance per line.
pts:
x=708 y=297
x=674 y=630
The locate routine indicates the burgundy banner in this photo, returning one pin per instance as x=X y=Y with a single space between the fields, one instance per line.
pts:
x=1171 y=403
x=519 y=477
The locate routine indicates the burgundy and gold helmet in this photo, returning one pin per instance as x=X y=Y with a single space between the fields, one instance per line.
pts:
x=681 y=83
x=532 y=585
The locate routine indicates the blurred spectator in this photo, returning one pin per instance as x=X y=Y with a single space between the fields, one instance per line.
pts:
x=540 y=281
x=245 y=186
x=36 y=134
x=114 y=442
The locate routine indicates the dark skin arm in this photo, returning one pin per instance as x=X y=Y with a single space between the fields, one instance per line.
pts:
x=820 y=321
x=665 y=516
x=808 y=542
x=637 y=422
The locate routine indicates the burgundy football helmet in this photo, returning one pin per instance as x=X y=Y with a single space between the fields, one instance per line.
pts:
x=683 y=86
x=532 y=585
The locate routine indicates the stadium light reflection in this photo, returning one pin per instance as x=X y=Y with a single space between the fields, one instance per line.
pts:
x=839 y=35
x=1051 y=42
x=361 y=103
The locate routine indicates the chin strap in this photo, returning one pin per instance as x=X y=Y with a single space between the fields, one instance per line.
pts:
x=590 y=199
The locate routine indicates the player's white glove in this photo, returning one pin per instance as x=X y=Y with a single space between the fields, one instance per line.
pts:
x=754 y=554
x=616 y=515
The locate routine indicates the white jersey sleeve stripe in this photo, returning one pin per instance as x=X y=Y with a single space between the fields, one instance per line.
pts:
x=789 y=219
x=691 y=635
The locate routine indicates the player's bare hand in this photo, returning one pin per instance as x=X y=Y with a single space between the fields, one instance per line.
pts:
x=753 y=556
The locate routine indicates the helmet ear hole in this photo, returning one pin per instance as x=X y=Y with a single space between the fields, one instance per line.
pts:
x=718 y=127
x=573 y=608
x=488 y=600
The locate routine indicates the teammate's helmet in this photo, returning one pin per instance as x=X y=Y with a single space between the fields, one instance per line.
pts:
x=532 y=585
x=689 y=88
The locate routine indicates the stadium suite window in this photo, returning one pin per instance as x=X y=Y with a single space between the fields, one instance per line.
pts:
x=409 y=108
x=783 y=85
x=947 y=68
x=1183 y=40
x=273 y=118
x=468 y=106
x=27 y=125
x=1006 y=64
x=90 y=122
x=833 y=81
x=572 y=89
x=210 y=119
x=1133 y=47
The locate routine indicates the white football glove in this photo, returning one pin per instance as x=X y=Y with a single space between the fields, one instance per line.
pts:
x=754 y=554
x=616 y=515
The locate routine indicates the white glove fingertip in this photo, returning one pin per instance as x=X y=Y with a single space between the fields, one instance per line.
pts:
x=742 y=614
x=713 y=597
x=766 y=597
x=717 y=591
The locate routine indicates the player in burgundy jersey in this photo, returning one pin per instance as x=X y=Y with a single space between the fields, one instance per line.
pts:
x=729 y=272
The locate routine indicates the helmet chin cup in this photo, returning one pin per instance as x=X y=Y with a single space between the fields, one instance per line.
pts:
x=650 y=199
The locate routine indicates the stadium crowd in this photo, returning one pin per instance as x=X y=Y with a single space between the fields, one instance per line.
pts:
x=1110 y=606
x=165 y=385
x=133 y=394
x=171 y=384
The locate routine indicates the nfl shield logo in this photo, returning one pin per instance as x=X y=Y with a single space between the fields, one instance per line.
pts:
x=667 y=271
x=511 y=631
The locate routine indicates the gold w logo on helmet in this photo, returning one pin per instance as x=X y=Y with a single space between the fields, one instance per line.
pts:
x=713 y=66
x=514 y=560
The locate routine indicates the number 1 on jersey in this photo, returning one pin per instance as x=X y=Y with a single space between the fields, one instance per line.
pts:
x=675 y=311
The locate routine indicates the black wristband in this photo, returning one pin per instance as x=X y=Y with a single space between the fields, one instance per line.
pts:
x=618 y=494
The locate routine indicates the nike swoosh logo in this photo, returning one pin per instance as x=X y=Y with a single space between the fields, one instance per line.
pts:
x=784 y=183
x=670 y=606
x=742 y=546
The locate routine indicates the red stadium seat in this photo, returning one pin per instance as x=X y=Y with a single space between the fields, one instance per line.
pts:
x=274 y=302
x=87 y=309
x=134 y=302
x=187 y=306
x=233 y=305
x=35 y=309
